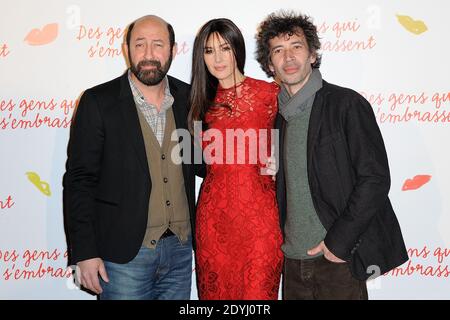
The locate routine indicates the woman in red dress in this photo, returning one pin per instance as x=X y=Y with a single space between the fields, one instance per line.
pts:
x=238 y=235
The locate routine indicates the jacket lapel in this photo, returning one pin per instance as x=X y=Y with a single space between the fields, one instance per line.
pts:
x=133 y=132
x=179 y=109
x=280 y=125
x=180 y=115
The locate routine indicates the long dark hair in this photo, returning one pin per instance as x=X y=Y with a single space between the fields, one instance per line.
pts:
x=203 y=83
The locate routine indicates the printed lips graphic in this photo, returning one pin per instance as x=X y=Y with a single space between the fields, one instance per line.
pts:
x=416 y=182
x=42 y=186
x=413 y=26
x=37 y=37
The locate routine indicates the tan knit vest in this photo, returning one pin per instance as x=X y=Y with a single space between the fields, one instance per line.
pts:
x=168 y=205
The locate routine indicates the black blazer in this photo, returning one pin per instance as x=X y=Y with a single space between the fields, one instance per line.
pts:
x=107 y=182
x=349 y=180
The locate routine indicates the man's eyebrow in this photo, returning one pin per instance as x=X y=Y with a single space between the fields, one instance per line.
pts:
x=276 y=47
x=143 y=38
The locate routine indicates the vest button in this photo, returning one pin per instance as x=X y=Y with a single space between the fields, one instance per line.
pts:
x=168 y=203
x=165 y=180
x=163 y=156
x=153 y=242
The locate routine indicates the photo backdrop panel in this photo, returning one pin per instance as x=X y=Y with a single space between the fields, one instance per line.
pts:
x=393 y=53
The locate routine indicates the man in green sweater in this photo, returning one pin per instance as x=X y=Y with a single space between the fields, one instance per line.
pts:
x=333 y=179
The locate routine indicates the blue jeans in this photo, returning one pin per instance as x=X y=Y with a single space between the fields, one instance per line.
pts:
x=163 y=273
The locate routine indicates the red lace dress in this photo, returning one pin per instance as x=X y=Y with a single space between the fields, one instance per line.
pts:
x=238 y=233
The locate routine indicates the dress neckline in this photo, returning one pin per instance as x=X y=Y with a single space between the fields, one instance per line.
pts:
x=220 y=88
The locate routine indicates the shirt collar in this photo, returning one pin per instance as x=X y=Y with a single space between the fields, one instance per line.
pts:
x=139 y=97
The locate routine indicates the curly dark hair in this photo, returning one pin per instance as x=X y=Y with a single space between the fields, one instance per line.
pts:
x=282 y=23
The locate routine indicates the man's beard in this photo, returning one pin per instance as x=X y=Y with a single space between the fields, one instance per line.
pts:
x=150 y=77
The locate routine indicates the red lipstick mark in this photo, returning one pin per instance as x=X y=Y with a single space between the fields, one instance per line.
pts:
x=416 y=182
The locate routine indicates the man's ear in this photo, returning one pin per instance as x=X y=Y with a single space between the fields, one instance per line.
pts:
x=271 y=67
x=174 y=50
x=126 y=54
x=313 y=57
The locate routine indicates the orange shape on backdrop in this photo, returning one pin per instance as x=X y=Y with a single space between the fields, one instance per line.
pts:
x=414 y=26
x=416 y=182
x=37 y=37
x=42 y=186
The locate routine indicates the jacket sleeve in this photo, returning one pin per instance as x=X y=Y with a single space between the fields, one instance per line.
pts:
x=197 y=154
x=372 y=178
x=199 y=168
x=81 y=178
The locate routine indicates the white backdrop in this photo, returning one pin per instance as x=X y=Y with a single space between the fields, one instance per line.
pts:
x=50 y=51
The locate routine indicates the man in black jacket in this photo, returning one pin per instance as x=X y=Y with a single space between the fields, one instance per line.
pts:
x=130 y=204
x=333 y=179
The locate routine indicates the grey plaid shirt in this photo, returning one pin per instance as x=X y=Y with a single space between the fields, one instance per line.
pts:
x=155 y=119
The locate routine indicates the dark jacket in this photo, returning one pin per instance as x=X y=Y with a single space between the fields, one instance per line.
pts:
x=349 y=180
x=107 y=184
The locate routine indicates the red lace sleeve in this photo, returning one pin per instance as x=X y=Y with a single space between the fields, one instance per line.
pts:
x=268 y=94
